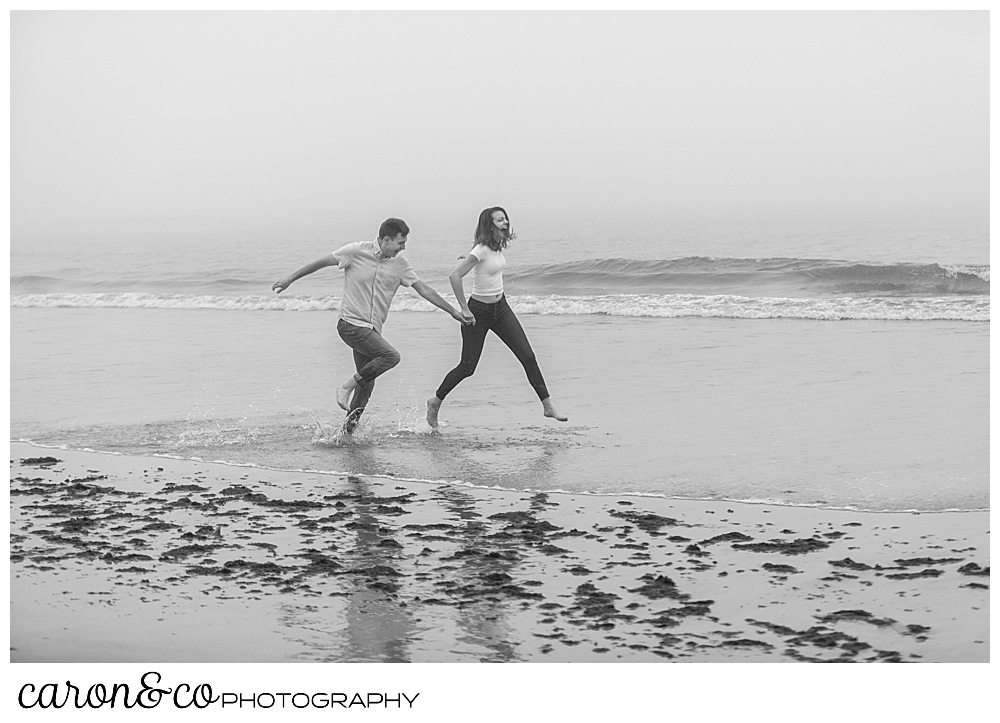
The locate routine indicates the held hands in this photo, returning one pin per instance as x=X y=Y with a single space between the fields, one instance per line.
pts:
x=465 y=317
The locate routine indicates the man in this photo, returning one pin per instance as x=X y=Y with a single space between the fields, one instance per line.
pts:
x=373 y=270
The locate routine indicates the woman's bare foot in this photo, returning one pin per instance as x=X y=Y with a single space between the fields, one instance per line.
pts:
x=550 y=411
x=433 y=405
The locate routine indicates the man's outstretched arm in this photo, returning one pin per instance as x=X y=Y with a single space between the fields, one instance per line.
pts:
x=328 y=260
x=435 y=298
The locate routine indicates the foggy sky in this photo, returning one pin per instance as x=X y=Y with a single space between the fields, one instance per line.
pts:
x=283 y=115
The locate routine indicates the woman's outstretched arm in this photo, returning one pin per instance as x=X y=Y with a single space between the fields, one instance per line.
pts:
x=464 y=267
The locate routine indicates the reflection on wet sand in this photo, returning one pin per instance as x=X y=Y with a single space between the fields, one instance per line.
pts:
x=489 y=559
x=479 y=572
x=480 y=616
x=378 y=628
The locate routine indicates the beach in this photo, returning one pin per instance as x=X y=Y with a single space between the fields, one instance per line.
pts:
x=744 y=476
x=123 y=558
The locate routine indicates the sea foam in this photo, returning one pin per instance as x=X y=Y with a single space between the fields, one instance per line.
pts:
x=730 y=306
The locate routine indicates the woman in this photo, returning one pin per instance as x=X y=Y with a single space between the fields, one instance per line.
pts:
x=488 y=309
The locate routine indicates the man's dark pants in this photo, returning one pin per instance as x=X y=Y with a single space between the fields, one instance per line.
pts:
x=373 y=356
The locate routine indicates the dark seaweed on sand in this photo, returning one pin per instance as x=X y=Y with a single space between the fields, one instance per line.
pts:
x=974 y=569
x=800 y=546
x=647 y=521
x=490 y=564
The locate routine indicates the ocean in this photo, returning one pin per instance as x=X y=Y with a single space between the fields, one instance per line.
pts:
x=798 y=361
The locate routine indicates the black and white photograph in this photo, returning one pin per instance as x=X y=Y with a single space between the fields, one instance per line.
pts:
x=579 y=336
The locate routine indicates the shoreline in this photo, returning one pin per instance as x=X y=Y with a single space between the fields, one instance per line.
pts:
x=116 y=558
x=494 y=488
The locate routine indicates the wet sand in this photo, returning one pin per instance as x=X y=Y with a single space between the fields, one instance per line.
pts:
x=127 y=559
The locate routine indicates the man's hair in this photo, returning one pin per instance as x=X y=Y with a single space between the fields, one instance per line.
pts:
x=392 y=227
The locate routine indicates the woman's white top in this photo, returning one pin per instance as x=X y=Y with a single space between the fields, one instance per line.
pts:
x=487 y=279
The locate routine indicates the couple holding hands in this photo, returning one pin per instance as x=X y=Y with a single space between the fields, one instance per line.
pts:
x=374 y=270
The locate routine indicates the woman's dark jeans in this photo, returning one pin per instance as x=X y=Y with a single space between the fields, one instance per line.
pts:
x=500 y=318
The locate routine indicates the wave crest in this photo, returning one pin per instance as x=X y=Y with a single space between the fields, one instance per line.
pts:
x=785 y=276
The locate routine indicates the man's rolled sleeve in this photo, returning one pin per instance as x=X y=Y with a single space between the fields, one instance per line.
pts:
x=409 y=277
x=345 y=254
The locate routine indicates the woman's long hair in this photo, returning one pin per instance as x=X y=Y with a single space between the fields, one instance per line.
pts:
x=489 y=235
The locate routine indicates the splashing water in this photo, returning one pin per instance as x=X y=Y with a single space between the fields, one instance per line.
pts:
x=333 y=434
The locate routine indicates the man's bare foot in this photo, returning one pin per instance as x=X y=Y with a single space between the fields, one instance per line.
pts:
x=351 y=421
x=550 y=411
x=433 y=405
x=344 y=394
